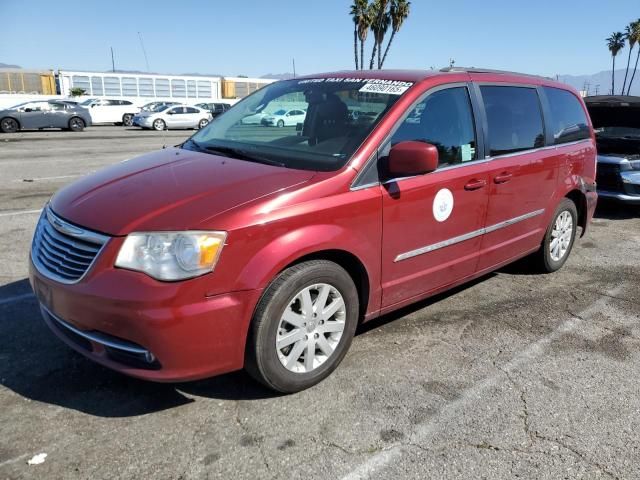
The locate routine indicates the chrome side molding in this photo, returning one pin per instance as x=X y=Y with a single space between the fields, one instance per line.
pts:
x=466 y=236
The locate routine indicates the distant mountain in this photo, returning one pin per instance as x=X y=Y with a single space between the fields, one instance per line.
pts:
x=6 y=65
x=602 y=82
x=278 y=76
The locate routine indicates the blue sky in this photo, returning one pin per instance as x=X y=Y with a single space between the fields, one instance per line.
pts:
x=255 y=37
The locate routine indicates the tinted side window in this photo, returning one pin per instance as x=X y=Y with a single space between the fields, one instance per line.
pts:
x=568 y=120
x=514 y=119
x=191 y=110
x=125 y=102
x=444 y=119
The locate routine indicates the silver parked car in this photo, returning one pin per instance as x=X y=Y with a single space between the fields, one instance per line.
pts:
x=173 y=116
x=44 y=114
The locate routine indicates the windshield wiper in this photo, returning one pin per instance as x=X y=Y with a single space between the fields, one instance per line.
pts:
x=241 y=155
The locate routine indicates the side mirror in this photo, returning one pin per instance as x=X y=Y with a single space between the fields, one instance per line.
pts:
x=93 y=105
x=27 y=110
x=170 y=112
x=412 y=158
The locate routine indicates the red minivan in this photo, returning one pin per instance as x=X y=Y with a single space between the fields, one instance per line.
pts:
x=264 y=247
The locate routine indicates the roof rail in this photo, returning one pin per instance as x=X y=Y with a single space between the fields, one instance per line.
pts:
x=489 y=70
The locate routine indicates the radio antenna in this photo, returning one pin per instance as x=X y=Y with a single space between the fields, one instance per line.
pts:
x=146 y=60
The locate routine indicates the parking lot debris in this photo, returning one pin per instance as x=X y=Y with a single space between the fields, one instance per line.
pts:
x=37 y=459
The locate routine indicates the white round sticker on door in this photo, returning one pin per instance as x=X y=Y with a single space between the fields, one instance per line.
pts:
x=443 y=205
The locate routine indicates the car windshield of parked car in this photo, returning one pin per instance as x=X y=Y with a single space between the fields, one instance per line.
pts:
x=334 y=117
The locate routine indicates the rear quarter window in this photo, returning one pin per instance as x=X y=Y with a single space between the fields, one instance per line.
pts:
x=514 y=119
x=567 y=117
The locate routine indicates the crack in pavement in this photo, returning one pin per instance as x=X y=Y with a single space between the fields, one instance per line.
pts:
x=449 y=411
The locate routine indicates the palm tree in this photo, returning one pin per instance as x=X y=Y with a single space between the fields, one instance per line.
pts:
x=399 y=12
x=636 y=34
x=362 y=22
x=629 y=37
x=615 y=43
x=379 y=24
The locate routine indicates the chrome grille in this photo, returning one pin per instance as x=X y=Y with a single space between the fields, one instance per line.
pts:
x=62 y=251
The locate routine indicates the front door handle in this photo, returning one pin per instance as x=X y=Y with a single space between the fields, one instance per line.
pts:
x=504 y=177
x=475 y=184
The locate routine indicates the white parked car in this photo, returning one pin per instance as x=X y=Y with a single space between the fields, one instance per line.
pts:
x=110 y=110
x=168 y=117
x=282 y=118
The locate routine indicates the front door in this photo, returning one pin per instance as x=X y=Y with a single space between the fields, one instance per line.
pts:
x=522 y=174
x=432 y=223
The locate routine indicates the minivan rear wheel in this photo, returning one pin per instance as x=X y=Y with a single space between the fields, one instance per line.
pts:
x=303 y=326
x=127 y=120
x=559 y=238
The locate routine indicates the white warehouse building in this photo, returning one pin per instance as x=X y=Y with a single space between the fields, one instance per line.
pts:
x=143 y=86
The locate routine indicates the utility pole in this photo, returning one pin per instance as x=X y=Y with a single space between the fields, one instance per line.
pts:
x=294 y=67
x=113 y=63
x=597 y=89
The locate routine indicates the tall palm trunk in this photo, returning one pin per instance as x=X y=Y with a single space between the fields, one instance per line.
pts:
x=634 y=73
x=373 y=53
x=361 y=55
x=380 y=56
x=355 y=43
x=624 y=84
x=386 y=50
x=613 y=75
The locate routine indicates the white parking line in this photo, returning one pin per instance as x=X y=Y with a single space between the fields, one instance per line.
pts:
x=472 y=395
x=15 y=298
x=20 y=212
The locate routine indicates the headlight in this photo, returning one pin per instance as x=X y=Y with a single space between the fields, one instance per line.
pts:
x=171 y=255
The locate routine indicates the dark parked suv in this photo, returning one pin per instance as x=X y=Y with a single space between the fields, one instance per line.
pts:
x=616 y=120
x=216 y=109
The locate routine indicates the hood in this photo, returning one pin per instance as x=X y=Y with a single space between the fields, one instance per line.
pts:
x=172 y=189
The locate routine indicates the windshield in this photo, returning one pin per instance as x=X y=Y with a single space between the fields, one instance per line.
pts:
x=323 y=139
x=160 y=108
x=618 y=132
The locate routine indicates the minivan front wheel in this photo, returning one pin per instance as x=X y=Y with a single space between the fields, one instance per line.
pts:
x=303 y=326
x=559 y=238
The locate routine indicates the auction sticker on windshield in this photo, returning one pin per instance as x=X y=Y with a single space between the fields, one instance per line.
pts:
x=390 y=87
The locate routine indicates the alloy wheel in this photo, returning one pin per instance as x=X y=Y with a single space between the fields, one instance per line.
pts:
x=310 y=328
x=561 y=236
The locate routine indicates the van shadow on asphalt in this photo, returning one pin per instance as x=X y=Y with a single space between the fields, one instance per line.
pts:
x=36 y=365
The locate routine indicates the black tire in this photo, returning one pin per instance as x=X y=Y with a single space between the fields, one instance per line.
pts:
x=202 y=123
x=127 y=120
x=280 y=123
x=76 y=124
x=543 y=258
x=9 y=125
x=262 y=360
x=159 y=125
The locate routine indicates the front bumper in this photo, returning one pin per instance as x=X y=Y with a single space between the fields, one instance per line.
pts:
x=148 y=329
x=142 y=122
x=618 y=183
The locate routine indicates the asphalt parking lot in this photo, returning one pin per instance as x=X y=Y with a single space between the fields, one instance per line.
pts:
x=513 y=376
